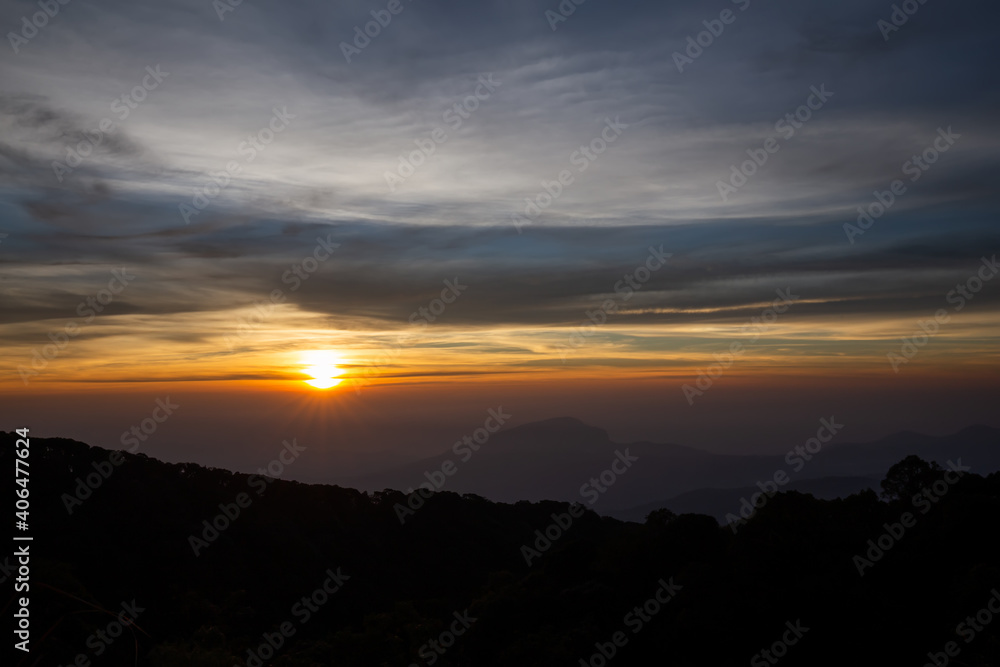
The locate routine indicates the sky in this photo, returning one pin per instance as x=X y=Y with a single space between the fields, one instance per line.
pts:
x=705 y=223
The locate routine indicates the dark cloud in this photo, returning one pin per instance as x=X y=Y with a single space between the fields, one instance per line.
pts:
x=381 y=274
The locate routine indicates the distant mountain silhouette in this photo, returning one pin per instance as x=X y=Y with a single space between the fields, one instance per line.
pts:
x=719 y=503
x=978 y=445
x=552 y=459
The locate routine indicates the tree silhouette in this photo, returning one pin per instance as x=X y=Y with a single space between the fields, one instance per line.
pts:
x=906 y=478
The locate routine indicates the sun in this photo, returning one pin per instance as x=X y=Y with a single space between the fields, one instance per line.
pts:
x=322 y=367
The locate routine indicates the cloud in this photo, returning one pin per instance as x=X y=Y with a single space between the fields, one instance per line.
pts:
x=351 y=123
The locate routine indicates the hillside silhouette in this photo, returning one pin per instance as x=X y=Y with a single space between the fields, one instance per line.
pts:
x=398 y=593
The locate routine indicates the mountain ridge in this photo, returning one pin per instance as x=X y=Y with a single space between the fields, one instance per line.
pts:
x=555 y=458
